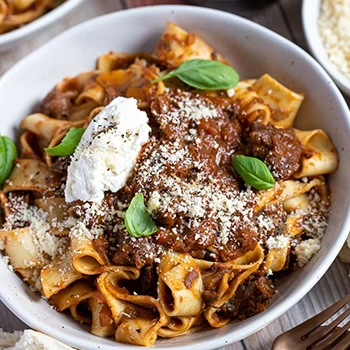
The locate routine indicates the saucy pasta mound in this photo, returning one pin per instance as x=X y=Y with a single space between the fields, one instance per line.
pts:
x=16 y=13
x=156 y=225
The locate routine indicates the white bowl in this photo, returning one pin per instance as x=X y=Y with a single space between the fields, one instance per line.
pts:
x=310 y=14
x=253 y=50
x=14 y=37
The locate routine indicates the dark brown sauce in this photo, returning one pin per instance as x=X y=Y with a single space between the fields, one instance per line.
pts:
x=209 y=144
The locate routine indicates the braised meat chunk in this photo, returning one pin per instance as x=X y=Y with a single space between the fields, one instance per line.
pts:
x=251 y=298
x=278 y=148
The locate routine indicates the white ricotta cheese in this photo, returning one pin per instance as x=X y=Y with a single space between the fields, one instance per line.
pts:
x=9 y=339
x=107 y=152
x=29 y=340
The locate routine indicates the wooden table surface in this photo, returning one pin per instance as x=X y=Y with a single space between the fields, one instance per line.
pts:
x=281 y=16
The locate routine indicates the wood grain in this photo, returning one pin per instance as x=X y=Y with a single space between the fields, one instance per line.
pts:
x=291 y=11
x=269 y=16
x=281 y=16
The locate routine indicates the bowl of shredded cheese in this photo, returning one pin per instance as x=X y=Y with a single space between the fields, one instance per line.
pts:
x=327 y=29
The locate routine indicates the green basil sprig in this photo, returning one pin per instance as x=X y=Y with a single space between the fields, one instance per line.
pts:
x=204 y=75
x=254 y=172
x=8 y=153
x=68 y=144
x=137 y=220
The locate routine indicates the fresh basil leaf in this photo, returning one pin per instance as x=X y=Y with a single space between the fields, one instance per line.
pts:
x=68 y=144
x=8 y=153
x=254 y=172
x=137 y=220
x=204 y=75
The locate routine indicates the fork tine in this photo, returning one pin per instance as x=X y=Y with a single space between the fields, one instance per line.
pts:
x=344 y=343
x=314 y=322
x=323 y=331
x=336 y=334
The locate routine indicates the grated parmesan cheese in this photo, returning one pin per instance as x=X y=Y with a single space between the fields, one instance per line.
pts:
x=154 y=202
x=334 y=28
x=188 y=108
x=230 y=92
x=94 y=219
x=35 y=218
x=314 y=222
x=81 y=232
x=305 y=250
x=278 y=242
x=198 y=200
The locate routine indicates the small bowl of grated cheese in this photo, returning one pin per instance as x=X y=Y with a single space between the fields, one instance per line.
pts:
x=327 y=29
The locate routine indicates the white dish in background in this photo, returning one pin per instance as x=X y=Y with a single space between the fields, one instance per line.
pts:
x=253 y=51
x=310 y=15
x=10 y=39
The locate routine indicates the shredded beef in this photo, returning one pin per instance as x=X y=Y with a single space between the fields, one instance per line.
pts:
x=60 y=165
x=212 y=279
x=58 y=104
x=148 y=281
x=251 y=298
x=278 y=148
x=131 y=252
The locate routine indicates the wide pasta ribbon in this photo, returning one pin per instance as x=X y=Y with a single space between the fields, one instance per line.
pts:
x=268 y=99
x=89 y=258
x=231 y=275
x=59 y=274
x=47 y=128
x=32 y=175
x=283 y=102
x=21 y=248
x=74 y=294
x=320 y=156
x=251 y=104
x=102 y=318
x=27 y=145
x=286 y=192
x=177 y=46
x=137 y=317
x=180 y=285
x=178 y=326
x=293 y=195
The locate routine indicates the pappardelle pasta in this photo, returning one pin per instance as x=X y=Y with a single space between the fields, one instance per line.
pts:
x=178 y=207
x=16 y=13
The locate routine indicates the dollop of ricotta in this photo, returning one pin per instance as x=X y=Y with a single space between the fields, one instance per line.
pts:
x=29 y=340
x=107 y=153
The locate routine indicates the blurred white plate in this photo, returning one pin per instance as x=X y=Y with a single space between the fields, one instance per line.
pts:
x=310 y=14
x=12 y=38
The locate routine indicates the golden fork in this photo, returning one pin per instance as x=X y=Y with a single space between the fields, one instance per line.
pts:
x=312 y=335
